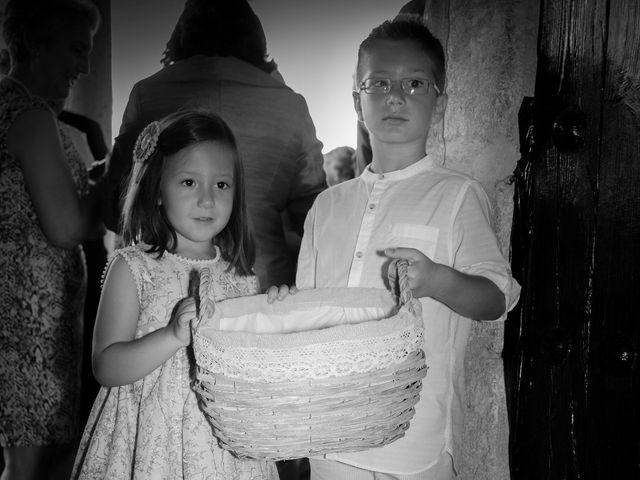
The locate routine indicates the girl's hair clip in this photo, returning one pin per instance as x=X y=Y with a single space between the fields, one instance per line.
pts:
x=146 y=142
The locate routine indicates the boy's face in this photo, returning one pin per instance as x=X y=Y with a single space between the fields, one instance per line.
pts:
x=397 y=117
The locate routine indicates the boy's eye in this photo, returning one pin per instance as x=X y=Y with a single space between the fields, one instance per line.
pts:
x=380 y=83
x=415 y=83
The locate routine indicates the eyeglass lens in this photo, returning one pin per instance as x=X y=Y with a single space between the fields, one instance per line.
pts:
x=410 y=86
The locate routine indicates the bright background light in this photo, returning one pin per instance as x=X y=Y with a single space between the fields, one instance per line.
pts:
x=314 y=43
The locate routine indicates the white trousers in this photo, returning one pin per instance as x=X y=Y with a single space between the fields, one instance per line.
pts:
x=331 y=470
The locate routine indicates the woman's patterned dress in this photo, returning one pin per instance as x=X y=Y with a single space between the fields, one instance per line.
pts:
x=42 y=290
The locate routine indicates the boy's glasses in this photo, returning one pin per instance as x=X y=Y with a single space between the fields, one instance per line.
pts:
x=410 y=86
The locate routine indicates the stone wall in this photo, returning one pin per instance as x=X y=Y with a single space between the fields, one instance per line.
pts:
x=491 y=61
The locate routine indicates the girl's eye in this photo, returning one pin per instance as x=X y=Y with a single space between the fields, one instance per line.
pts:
x=222 y=185
x=188 y=182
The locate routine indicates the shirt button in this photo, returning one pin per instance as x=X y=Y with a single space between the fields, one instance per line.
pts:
x=381 y=176
x=359 y=254
x=372 y=206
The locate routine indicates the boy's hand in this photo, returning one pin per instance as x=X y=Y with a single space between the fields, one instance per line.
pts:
x=179 y=325
x=279 y=293
x=421 y=271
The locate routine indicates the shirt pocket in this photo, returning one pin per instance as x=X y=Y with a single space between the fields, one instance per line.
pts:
x=413 y=235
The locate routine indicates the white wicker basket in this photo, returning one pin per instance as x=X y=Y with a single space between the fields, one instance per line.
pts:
x=342 y=388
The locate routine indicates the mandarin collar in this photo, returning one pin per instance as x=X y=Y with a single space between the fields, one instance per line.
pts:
x=425 y=163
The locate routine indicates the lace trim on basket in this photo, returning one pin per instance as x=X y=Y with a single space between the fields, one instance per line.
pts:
x=314 y=361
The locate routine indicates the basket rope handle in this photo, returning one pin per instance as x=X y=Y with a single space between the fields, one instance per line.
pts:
x=405 y=294
x=199 y=288
x=398 y=271
x=194 y=288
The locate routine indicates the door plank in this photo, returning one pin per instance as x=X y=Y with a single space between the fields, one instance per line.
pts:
x=614 y=386
x=549 y=418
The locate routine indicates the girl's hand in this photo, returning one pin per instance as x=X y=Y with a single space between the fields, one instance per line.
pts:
x=421 y=272
x=184 y=312
x=279 y=293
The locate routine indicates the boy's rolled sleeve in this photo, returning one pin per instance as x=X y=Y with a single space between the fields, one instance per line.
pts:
x=499 y=274
x=475 y=247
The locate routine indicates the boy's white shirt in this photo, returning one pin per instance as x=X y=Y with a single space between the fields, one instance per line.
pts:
x=444 y=214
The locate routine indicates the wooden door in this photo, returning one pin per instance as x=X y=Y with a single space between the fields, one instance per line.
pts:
x=571 y=346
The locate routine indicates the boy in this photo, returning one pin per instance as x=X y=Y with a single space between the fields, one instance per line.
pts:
x=404 y=205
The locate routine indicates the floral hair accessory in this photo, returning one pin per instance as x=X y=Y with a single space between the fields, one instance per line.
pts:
x=146 y=142
x=144 y=148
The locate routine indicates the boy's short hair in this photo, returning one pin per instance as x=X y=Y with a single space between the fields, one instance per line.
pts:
x=410 y=27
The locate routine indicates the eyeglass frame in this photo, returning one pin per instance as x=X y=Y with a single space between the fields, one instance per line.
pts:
x=402 y=86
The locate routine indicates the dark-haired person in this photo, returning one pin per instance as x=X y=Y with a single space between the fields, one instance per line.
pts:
x=184 y=210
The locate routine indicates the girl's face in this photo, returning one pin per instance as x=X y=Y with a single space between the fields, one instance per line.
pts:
x=59 y=61
x=196 y=192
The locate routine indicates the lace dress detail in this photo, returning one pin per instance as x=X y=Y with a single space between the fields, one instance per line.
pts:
x=154 y=428
x=42 y=291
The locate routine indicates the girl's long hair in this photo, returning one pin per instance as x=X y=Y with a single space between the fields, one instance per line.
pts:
x=144 y=220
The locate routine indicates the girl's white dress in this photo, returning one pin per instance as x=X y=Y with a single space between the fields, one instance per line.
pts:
x=153 y=428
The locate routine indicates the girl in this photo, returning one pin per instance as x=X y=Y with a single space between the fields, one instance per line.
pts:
x=184 y=209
